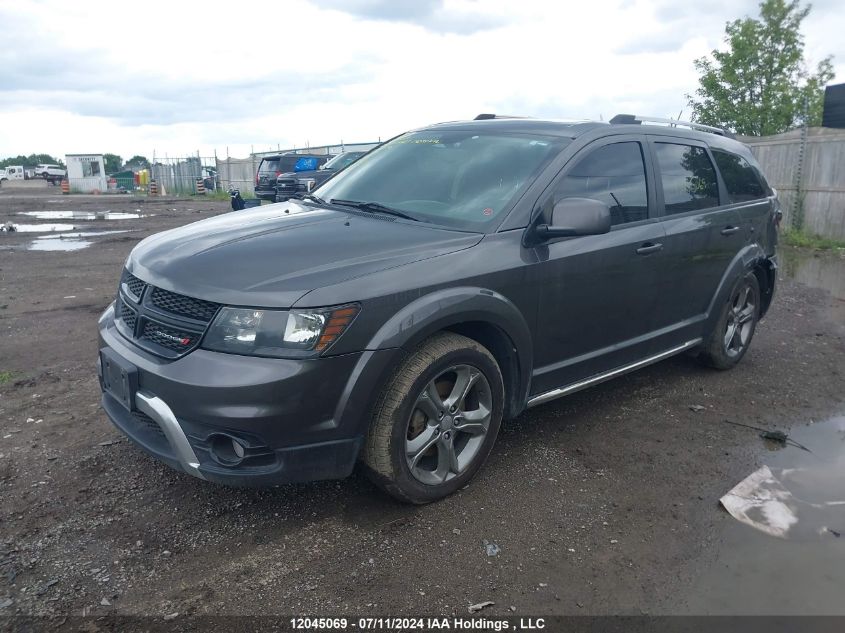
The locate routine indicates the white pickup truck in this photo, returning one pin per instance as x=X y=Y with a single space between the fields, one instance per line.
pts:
x=13 y=172
x=53 y=173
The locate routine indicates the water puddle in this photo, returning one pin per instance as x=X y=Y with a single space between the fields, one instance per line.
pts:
x=825 y=270
x=58 y=245
x=797 y=570
x=67 y=241
x=85 y=215
x=79 y=234
x=36 y=228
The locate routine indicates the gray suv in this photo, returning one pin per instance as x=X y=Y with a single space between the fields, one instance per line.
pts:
x=443 y=283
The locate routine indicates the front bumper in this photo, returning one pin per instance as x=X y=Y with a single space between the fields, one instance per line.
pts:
x=266 y=194
x=297 y=420
x=286 y=189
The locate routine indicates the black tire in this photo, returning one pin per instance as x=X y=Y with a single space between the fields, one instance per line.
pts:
x=397 y=411
x=45 y=175
x=738 y=319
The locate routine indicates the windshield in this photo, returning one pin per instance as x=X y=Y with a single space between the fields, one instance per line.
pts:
x=459 y=178
x=342 y=160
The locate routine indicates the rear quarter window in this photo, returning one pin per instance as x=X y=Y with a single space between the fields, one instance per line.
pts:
x=741 y=179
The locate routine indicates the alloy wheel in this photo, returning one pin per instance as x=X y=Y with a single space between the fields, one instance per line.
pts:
x=740 y=321
x=448 y=424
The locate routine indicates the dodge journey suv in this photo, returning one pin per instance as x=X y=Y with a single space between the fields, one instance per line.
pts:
x=441 y=284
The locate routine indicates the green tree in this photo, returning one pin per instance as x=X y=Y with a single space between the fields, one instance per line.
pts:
x=31 y=160
x=137 y=162
x=112 y=163
x=760 y=84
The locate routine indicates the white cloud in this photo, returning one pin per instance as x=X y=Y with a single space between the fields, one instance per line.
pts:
x=179 y=78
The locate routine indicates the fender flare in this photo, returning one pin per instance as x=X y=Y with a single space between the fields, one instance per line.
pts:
x=447 y=307
x=745 y=261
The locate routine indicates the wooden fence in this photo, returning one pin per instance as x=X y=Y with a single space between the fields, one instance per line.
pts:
x=813 y=185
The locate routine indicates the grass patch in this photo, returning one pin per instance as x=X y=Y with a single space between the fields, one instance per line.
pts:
x=802 y=239
x=224 y=195
x=6 y=376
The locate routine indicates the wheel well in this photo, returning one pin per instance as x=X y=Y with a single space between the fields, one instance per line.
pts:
x=766 y=278
x=500 y=345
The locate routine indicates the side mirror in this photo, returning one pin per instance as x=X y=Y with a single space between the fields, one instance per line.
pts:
x=576 y=216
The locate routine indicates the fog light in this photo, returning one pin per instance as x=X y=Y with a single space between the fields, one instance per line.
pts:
x=226 y=450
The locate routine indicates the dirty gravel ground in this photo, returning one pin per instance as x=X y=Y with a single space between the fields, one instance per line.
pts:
x=605 y=502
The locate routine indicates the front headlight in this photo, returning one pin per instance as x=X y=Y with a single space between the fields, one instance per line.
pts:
x=307 y=183
x=279 y=333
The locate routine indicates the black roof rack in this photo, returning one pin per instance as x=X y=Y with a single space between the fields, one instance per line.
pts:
x=484 y=116
x=633 y=119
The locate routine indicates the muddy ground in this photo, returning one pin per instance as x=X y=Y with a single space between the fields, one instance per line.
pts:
x=605 y=502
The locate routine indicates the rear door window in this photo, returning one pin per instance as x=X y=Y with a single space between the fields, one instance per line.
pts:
x=687 y=176
x=613 y=174
x=268 y=165
x=741 y=179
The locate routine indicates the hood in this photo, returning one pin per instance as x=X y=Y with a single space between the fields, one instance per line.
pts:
x=273 y=255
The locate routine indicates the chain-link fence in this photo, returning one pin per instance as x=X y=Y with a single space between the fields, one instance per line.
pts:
x=181 y=175
x=240 y=172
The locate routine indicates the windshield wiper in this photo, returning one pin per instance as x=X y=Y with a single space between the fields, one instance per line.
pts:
x=378 y=207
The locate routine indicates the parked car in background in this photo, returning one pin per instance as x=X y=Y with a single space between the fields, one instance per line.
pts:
x=456 y=276
x=271 y=167
x=53 y=173
x=291 y=184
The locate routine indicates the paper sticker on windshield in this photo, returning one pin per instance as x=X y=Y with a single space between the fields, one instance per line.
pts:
x=488 y=211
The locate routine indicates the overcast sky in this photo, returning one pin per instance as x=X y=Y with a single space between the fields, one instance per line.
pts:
x=178 y=77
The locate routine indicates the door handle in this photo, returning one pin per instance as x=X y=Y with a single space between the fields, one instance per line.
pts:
x=648 y=248
x=730 y=230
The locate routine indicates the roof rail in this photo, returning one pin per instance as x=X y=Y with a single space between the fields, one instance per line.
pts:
x=484 y=116
x=633 y=119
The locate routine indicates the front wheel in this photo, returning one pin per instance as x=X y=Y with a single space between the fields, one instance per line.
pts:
x=436 y=420
x=737 y=323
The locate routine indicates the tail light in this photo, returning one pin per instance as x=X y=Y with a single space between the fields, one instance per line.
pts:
x=777 y=211
x=278 y=173
x=256 y=179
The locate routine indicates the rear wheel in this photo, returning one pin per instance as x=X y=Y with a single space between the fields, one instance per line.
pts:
x=732 y=335
x=436 y=421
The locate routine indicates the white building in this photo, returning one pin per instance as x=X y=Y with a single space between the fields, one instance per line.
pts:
x=86 y=173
